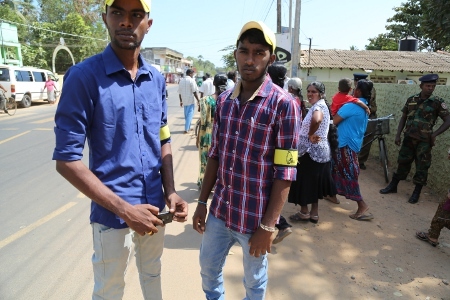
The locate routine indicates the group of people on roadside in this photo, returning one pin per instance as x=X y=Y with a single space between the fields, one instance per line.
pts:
x=115 y=101
x=328 y=156
x=330 y=147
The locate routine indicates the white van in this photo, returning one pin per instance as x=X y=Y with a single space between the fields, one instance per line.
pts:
x=25 y=84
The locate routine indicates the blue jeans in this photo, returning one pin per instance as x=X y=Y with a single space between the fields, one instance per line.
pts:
x=217 y=241
x=188 y=115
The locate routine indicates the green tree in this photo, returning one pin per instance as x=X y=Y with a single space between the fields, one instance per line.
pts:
x=382 y=42
x=228 y=58
x=407 y=21
x=40 y=28
x=426 y=20
x=80 y=25
x=8 y=12
x=436 y=22
x=203 y=65
x=54 y=10
x=84 y=43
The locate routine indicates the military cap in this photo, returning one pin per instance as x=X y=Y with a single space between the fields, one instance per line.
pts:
x=359 y=76
x=429 y=78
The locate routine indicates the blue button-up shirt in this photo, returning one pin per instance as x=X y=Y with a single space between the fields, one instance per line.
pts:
x=121 y=120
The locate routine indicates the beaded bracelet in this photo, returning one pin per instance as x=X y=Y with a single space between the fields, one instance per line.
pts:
x=267 y=228
x=201 y=202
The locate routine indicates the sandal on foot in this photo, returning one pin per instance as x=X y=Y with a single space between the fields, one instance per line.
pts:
x=332 y=200
x=363 y=216
x=314 y=219
x=424 y=237
x=299 y=216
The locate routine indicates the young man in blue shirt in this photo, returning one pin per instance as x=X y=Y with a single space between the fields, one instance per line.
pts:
x=116 y=101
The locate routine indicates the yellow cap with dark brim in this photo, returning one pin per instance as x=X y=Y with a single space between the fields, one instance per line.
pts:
x=146 y=4
x=269 y=36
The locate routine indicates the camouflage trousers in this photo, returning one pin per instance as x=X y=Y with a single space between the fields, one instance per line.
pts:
x=440 y=220
x=413 y=150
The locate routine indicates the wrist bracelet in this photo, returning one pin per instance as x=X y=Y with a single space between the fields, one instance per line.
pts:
x=202 y=202
x=267 y=228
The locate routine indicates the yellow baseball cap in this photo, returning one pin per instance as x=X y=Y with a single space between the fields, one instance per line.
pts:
x=145 y=4
x=269 y=36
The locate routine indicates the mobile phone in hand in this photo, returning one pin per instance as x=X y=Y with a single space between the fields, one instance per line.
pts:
x=166 y=217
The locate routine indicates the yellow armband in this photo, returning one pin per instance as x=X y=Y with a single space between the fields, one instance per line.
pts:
x=286 y=158
x=164 y=133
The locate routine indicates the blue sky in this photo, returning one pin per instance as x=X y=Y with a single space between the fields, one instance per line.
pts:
x=200 y=27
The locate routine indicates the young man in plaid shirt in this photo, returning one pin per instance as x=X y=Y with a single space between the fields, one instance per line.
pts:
x=252 y=162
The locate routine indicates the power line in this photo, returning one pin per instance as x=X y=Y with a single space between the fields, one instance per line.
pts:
x=304 y=34
x=60 y=32
x=242 y=15
x=261 y=8
x=269 y=10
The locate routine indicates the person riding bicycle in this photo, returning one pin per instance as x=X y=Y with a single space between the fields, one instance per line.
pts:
x=3 y=98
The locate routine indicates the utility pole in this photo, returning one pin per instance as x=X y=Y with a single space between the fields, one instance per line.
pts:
x=278 y=16
x=296 y=43
x=290 y=22
x=309 y=51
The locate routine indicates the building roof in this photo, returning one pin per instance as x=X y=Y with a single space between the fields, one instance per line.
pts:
x=428 y=62
x=166 y=51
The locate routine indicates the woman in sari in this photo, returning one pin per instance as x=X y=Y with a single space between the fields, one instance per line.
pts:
x=207 y=106
x=351 y=121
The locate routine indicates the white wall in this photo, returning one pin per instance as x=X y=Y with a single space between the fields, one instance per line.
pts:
x=334 y=75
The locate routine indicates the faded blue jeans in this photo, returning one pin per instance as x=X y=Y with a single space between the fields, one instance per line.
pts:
x=188 y=115
x=217 y=241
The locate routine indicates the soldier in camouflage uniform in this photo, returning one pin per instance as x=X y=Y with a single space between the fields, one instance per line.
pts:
x=440 y=220
x=419 y=115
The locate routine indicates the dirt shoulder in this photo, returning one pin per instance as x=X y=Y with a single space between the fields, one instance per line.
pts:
x=340 y=258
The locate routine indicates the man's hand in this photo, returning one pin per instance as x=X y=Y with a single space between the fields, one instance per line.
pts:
x=398 y=140
x=260 y=242
x=433 y=140
x=368 y=111
x=178 y=207
x=142 y=218
x=199 y=218
x=181 y=103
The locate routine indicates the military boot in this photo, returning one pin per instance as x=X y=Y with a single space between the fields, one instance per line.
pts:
x=392 y=187
x=415 y=195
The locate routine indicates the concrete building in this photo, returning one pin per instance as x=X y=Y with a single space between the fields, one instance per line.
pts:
x=171 y=62
x=10 y=51
x=402 y=67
